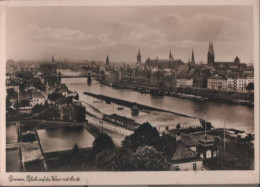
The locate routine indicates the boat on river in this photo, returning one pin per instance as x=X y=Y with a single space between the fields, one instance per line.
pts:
x=190 y=96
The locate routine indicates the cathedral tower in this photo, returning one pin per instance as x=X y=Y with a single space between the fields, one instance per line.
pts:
x=192 y=58
x=139 y=57
x=107 y=61
x=170 y=55
x=52 y=59
x=211 y=55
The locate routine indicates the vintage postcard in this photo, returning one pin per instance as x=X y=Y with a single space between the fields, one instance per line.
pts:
x=129 y=92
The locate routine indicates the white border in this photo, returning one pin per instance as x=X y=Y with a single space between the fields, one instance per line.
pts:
x=134 y=178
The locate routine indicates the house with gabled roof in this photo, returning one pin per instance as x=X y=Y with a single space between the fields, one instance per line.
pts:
x=185 y=159
x=37 y=99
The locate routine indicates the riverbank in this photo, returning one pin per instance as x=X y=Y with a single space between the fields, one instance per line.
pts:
x=192 y=93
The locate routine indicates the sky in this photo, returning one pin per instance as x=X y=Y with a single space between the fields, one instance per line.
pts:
x=92 y=32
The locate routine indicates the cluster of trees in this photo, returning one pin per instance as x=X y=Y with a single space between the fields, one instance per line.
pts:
x=66 y=110
x=250 y=86
x=46 y=111
x=28 y=80
x=11 y=100
x=144 y=150
x=73 y=112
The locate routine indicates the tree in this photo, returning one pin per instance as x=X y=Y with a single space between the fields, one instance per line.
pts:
x=101 y=143
x=55 y=96
x=35 y=82
x=8 y=103
x=149 y=159
x=250 y=86
x=50 y=113
x=107 y=160
x=116 y=160
x=80 y=113
x=76 y=156
x=67 y=112
x=143 y=135
x=11 y=93
x=75 y=149
x=168 y=145
x=37 y=108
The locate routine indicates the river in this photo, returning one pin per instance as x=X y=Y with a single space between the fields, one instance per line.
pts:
x=235 y=116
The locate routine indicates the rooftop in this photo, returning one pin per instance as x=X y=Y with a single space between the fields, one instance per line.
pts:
x=38 y=95
x=183 y=153
x=24 y=96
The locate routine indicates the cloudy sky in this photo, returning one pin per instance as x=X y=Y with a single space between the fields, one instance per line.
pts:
x=91 y=32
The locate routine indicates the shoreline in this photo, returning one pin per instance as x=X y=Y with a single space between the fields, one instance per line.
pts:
x=180 y=114
x=191 y=93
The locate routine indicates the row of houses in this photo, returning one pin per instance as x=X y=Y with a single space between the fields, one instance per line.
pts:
x=217 y=83
x=222 y=83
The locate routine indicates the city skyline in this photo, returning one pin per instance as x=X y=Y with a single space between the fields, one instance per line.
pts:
x=70 y=32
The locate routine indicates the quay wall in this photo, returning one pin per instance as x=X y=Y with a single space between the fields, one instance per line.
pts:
x=229 y=96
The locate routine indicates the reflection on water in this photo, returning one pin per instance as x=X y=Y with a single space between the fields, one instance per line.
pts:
x=236 y=116
x=62 y=139
x=13 y=160
x=11 y=133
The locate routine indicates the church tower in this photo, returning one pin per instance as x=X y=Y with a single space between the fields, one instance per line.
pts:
x=52 y=59
x=192 y=58
x=211 y=55
x=139 y=57
x=170 y=55
x=107 y=61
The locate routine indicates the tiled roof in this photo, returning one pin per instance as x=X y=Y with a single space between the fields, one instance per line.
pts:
x=183 y=153
x=38 y=95
x=63 y=89
x=189 y=141
x=24 y=96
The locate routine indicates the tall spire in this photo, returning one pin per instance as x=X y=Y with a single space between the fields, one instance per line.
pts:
x=192 y=58
x=171 y=55
x=52 y=59
x=211 y=50
x=107 y=61
x=139 y=57
x=211 y=55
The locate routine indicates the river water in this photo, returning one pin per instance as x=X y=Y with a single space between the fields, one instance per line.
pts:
x=235 y=116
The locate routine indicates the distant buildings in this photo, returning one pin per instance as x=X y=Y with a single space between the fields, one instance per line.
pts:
x=232 y=84
x=223 y=65
x=184 y=83
x=170 y=63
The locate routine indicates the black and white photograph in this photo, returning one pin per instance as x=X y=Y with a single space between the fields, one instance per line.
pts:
x=139 y=88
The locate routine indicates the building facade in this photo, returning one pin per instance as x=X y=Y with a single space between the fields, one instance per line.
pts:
x=184 y=83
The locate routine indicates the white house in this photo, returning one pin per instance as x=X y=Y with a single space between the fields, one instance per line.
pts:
x=184 y=83
x=37 y=98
